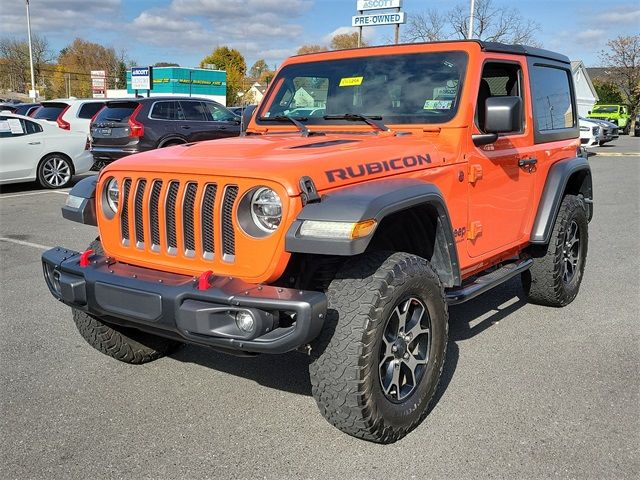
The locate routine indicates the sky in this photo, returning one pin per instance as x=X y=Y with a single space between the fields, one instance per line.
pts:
x=184 y=31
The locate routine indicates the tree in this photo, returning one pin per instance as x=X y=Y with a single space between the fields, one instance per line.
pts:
x=232 y=61
x=608 y=93
x=14 y=57
x=491 y=23
x=343 y=41
x=304 y=49
x=165 y=64
x=622 y=59
x=258 y=68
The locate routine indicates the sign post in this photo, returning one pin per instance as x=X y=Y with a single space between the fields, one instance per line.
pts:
x=386 y=18
x=142 y=79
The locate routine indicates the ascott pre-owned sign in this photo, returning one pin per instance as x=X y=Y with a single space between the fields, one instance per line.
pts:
x=141 y=78
x=378 y=4
x=378 y=19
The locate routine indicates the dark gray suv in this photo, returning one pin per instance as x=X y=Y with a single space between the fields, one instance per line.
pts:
x=129 y=126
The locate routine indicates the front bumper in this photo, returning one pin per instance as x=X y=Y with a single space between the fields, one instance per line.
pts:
x=171 y=305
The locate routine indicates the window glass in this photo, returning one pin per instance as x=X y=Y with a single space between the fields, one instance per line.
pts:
x=30 y=127
x=219 y=114
x=195 y=111
x=498 y=80
x=408 y=88
x=166 y=111
x=116 y=112
x=17 y=127
x=551 y=92
x=49 y=112
x=88 y=110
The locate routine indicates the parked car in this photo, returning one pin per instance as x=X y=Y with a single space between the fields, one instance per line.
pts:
x=610 y=130
x=7 y=107
x=618 y=114
x=36 y=150
x=590 y=133
x=124 y=127
x=70 y=114
x=636 y=129
x=26 y=109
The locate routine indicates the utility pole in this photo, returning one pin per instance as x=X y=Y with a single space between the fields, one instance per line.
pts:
x=33 y=77
x=470 y=32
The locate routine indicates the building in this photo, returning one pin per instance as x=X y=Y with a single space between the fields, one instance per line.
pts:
x=586 y=95
x=256 y=93
x=197 y=82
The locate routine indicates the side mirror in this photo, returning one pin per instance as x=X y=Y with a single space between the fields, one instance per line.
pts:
x=246 y=116
x=589 y=112
x=503 y=114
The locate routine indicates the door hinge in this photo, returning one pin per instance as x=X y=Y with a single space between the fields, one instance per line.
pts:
x=475 y=173
x=308 y=191
x=474 y=230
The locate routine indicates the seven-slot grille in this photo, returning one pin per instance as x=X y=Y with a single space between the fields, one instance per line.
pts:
x=184 y=214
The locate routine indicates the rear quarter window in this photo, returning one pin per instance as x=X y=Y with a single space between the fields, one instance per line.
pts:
x=552 y=105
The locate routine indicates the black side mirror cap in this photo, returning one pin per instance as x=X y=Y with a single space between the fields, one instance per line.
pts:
x=484 y=139
x=503 y=114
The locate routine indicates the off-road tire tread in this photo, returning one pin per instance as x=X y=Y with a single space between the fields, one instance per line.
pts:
x=338 y=372
x=543 y=283
x=125 y=344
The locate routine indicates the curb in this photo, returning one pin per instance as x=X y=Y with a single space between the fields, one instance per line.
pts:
x=616 y=154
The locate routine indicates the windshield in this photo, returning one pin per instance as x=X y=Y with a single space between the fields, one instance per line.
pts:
x=606 y=109
x=402 y=89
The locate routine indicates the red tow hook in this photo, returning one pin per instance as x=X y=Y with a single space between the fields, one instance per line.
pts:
x=84 y=257
x=204 y=280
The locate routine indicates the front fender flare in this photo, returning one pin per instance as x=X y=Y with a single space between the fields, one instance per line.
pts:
x=376 y=200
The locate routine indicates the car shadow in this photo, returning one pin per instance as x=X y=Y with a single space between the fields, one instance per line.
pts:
x=27 y=187
x=289 y=372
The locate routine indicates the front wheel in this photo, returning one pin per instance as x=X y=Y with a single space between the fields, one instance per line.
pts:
x=378 y=360
x=55 y=171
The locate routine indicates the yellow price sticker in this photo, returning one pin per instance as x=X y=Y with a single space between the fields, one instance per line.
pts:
x=351 y=81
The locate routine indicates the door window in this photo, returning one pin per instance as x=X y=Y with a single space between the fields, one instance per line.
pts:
x=17 y=127
x=498 y=80
x=194 y=111
x=219 y=114
x=169 y=110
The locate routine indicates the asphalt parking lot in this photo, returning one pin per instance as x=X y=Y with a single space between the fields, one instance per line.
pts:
x=527 y=391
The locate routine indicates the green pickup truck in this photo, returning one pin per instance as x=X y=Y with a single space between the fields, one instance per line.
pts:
x=618 y=114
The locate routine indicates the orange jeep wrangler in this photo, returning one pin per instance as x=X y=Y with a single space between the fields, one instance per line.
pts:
x=372 y=189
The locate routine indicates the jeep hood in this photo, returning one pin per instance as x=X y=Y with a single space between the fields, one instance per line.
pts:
x=330 y=160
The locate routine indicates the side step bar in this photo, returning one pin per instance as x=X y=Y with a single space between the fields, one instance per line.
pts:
x=487 y=282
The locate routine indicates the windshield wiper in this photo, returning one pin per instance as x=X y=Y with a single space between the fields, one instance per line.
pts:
x=373 y=120
x=304 y=131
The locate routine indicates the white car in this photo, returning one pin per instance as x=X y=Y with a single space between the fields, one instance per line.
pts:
x=36 y=150
x=591 y=133
x=70 y=114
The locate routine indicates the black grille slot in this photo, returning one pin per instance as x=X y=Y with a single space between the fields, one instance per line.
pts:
x=187 y=216
x=124 y=216
x=172 y=196
x=208 y=218
x=228 y=234
x=153 y=212
x=137 y=216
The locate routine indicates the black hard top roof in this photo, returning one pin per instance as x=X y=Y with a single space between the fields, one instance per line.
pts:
x=488 y=47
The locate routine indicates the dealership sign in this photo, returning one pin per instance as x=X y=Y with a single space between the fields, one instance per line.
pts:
x=141 y=78
x=99 y=83
x=378 y=19
x=378 y=4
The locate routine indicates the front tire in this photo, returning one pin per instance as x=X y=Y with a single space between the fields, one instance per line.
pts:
x=377 y=363
x=55 y=171
x=124 y=344
x=556 y=274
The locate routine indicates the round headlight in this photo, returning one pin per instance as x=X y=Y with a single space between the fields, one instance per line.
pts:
x=112 y=194
x=266 y=209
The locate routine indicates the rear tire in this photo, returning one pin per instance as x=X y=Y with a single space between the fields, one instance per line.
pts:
x=377 y=362
x=554 y=278
x=55 y=171
x=124 y=344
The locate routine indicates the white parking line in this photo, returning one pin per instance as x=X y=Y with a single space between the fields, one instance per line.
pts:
x=26 y=244
x=60 y=192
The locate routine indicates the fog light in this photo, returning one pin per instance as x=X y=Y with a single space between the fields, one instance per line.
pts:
x=244 y=321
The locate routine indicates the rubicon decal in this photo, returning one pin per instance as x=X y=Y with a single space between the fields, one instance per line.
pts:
x=373 y=168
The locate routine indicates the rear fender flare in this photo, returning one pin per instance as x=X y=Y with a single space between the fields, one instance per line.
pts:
x=377 y=200
x=572 y=172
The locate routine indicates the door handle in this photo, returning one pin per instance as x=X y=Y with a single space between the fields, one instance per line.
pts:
x=34 y=143
x=185 y=127
x=527 y=162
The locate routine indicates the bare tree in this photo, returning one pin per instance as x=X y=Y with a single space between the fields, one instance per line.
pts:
x=492 y=23
x=425 y=27
x=622 y=59
x=14 y=57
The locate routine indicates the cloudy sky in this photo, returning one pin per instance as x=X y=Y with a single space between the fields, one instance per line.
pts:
x=183 y=31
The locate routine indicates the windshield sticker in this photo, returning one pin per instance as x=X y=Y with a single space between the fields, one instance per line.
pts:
x=351 y=81
x=15 y=126
x=438 y=105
